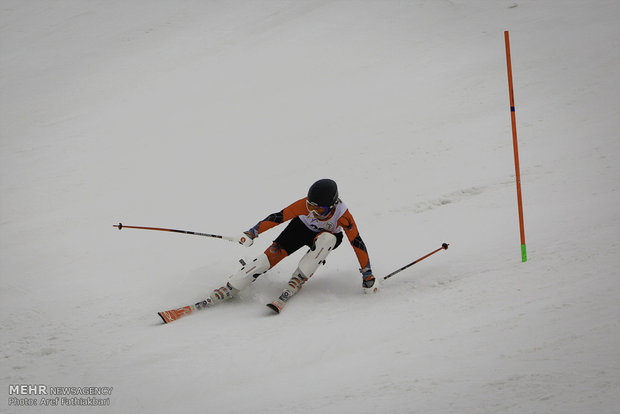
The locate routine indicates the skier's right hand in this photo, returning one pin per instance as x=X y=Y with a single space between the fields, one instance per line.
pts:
x=246 y=238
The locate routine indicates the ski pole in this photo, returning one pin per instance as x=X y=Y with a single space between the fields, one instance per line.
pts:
x=121 y=226
x=444 y=246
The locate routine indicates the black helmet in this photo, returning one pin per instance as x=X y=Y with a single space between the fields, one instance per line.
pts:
x=323 y=193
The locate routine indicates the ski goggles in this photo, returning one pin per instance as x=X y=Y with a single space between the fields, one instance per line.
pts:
x=317 y=210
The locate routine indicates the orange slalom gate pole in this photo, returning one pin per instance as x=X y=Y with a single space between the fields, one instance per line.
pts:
x=515 y=146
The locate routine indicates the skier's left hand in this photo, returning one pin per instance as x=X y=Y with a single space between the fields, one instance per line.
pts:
x=370 y=284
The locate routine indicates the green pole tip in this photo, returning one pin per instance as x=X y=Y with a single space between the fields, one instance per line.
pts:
x=523 y=254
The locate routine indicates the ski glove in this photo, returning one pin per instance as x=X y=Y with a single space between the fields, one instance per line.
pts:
x=370 y=284
x=246 y=238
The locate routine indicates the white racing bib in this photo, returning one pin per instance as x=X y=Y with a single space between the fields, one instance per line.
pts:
x=330 y=225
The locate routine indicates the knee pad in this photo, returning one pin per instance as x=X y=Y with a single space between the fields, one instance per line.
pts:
x=324 y=243
x=250 y=272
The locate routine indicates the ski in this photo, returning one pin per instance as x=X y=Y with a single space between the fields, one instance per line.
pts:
x=173 y=314
x=278 y=305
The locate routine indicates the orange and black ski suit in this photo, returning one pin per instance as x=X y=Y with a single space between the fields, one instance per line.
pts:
x=340 y=220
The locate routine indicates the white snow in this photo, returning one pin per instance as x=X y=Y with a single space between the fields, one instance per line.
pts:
x=209 y=115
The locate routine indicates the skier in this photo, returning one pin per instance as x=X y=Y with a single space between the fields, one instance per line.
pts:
x=317 y=221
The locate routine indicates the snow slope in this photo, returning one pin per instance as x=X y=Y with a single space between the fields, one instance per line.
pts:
x=209 y=115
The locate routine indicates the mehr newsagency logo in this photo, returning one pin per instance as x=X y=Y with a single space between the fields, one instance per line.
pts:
x=28 y=395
